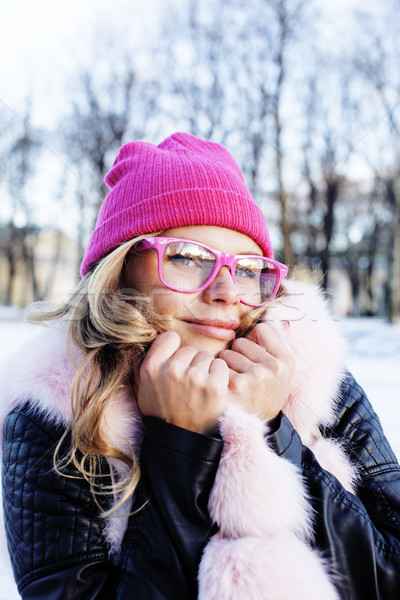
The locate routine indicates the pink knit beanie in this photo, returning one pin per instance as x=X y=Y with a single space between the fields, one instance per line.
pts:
x=183 y=181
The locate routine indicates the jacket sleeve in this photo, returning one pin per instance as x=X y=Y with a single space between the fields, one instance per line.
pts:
x=359 y=535
x=52 y=523
x=164 y=540
x=54 y=531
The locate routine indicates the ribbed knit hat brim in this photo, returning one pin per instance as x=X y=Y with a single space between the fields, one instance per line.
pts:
x=183 y=181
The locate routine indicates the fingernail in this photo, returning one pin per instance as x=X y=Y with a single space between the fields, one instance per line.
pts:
x=286 y=324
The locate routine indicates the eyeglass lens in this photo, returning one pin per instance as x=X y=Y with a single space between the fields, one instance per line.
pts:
x=187 y=267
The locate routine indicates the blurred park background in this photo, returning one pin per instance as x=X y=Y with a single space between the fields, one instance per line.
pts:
x=305 y=94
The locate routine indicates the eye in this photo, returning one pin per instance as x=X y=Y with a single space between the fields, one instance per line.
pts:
x=249 y=268
x=245 y=272
x=184 y=258
x=182 y=254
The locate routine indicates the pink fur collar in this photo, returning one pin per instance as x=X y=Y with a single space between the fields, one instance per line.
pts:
x=264 y=529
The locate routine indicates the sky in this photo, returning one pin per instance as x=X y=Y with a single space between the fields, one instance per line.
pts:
x=42 y=41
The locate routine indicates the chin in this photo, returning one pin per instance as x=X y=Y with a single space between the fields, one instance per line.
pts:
x=206 y=344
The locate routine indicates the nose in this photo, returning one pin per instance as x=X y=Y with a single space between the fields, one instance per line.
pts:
x=222 y=289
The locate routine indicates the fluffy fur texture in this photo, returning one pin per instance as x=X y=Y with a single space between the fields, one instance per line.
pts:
x=245 y=478
x=261 y=568
x=43 y=374
x=265 y=523
x=319 y=353
x=258 y=499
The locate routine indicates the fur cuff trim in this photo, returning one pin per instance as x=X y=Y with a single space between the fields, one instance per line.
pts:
x=252 y=481
x=260 y=568
x=260 y=505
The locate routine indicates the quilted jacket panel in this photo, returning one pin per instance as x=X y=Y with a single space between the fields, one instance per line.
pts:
x=40 y=505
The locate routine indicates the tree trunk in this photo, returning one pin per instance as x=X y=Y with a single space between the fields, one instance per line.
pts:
x=11 y=276
x=280 y=61
x=394 y=307
x=332 y=190
x=282 y=195
x=51 y=273
x=393 y=281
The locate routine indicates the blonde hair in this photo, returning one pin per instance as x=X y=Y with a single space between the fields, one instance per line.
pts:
x=112 y=327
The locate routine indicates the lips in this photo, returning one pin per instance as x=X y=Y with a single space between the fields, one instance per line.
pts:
x=215 y=328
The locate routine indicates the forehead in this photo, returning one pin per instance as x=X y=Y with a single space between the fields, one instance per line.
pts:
x=220 y=238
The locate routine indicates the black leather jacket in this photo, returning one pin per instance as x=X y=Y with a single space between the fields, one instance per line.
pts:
x=55 y=533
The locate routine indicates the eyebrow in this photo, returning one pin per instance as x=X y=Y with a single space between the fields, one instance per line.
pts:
x=249 y=254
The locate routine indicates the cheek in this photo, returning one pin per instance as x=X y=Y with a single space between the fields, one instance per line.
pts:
x=168 y=303
x=142 y=273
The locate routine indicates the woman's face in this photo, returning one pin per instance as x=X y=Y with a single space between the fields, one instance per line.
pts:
x=206 y=320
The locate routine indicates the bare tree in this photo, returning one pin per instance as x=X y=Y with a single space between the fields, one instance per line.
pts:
x=231 y=63
x=376 y=60
x=288 y=17
x=332 y=126
x=198 y=58
x=20 y=232
x=112 y=102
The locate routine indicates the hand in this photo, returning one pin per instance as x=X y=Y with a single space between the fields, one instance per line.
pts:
x=260 y=371
x=181 y=385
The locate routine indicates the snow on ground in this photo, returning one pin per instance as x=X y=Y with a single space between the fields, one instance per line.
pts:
x=373 y=357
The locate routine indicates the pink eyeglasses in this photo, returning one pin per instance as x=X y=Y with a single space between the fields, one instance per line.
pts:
x=188 y=266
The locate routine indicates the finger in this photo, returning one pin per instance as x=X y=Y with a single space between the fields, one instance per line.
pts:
x=239 y=386
x=178 y=364
x=219 y=369
x=202 y=360
x=163 y=347
x=269 y=338
x=234 y=377
x=251 y=350
x=237 y=361
x=218 y=382
x=184 y=355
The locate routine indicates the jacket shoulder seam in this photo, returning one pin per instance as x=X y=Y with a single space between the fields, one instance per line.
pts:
x=346 y=501
x=379 y=470
x=34 y=418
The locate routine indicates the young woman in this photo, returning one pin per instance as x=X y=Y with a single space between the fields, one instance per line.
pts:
x=185 y=427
